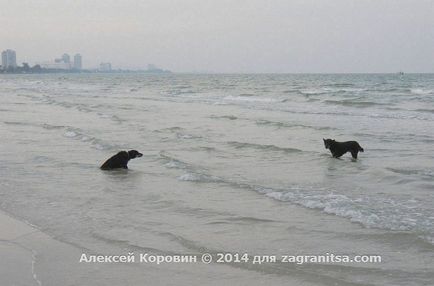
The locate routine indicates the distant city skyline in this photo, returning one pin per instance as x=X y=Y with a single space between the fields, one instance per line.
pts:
x=62 y=64
x=9 y=58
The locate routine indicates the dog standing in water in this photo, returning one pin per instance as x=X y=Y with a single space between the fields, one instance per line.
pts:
x=340 y=148
x=120 y=160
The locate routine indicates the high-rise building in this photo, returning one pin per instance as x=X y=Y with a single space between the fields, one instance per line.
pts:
x=77 y=62
x=66 y=59
x=9 y=59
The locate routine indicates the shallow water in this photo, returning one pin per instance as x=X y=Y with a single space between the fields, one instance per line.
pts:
x=232 y=163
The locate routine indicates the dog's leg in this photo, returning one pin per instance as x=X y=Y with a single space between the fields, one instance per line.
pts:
x=354 y=154
x=338 y=153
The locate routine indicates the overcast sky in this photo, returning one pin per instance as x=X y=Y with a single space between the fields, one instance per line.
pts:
x=226 y=35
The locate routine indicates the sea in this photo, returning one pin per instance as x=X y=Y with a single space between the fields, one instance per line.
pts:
x=232 y=163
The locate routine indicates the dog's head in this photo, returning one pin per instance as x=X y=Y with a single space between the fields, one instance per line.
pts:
x=134 y=154
x=328 y=142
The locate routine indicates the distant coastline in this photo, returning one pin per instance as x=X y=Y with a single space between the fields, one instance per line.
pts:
x=37 y=69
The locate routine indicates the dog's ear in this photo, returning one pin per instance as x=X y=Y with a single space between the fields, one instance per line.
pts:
x=323 y=139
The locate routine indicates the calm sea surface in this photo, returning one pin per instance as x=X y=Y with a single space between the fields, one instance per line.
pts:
x=232 y=163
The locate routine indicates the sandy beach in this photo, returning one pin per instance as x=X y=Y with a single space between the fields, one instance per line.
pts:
x=31 y=257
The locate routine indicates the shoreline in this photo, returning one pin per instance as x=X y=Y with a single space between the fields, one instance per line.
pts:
x=23 y=246
x=16 y=252
x=31 y=257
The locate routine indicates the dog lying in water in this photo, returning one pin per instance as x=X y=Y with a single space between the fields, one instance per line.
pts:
x=120 y=160
x=340 y=148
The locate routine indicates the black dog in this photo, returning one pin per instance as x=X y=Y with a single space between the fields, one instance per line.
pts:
x=340 y=148
x=120 y=160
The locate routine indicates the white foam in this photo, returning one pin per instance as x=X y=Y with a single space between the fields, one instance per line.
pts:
x=250 y=98
x=185 y=136
x=173 y=164
x=197 y=177
x=99 y=146
x=70 y=134
x=388 y=215
x=189 y=177
x=313 y=91
x=421 y=91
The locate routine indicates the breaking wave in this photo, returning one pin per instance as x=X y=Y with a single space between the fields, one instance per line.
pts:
x=270 y=147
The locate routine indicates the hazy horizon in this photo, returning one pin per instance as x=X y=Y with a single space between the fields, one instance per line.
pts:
x=254 y=36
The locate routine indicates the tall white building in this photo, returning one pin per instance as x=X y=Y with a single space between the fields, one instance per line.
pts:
x=77 y=62
x=9 y=59
x=66 y=59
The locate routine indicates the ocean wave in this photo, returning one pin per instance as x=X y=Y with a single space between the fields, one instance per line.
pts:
x=51 y=127
x=392 y=137
x=421 y=91
x=330 y=203
x=183 y=86
x=423 y=173
x=171 y=162
x=78 y=134
x=268 y=147
x=177 y=92
x=204 y=148
x=32 y=124
x=71 y=133
x=179 y=132
x=81 y=107
x=425 y=110
x=251 y=99
x=289 y=125
x=230 y=117
x=311 y=99
x=187 y=136
x=396 y=90
x=329 y=90
x=18 y=123
x=353 y=103
x=248 y=219
x=172 y=129
x=200 y=178
x=110 y=116
x=40 y=159
x=307 y=92
x=340 y=84
x=370 y=212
